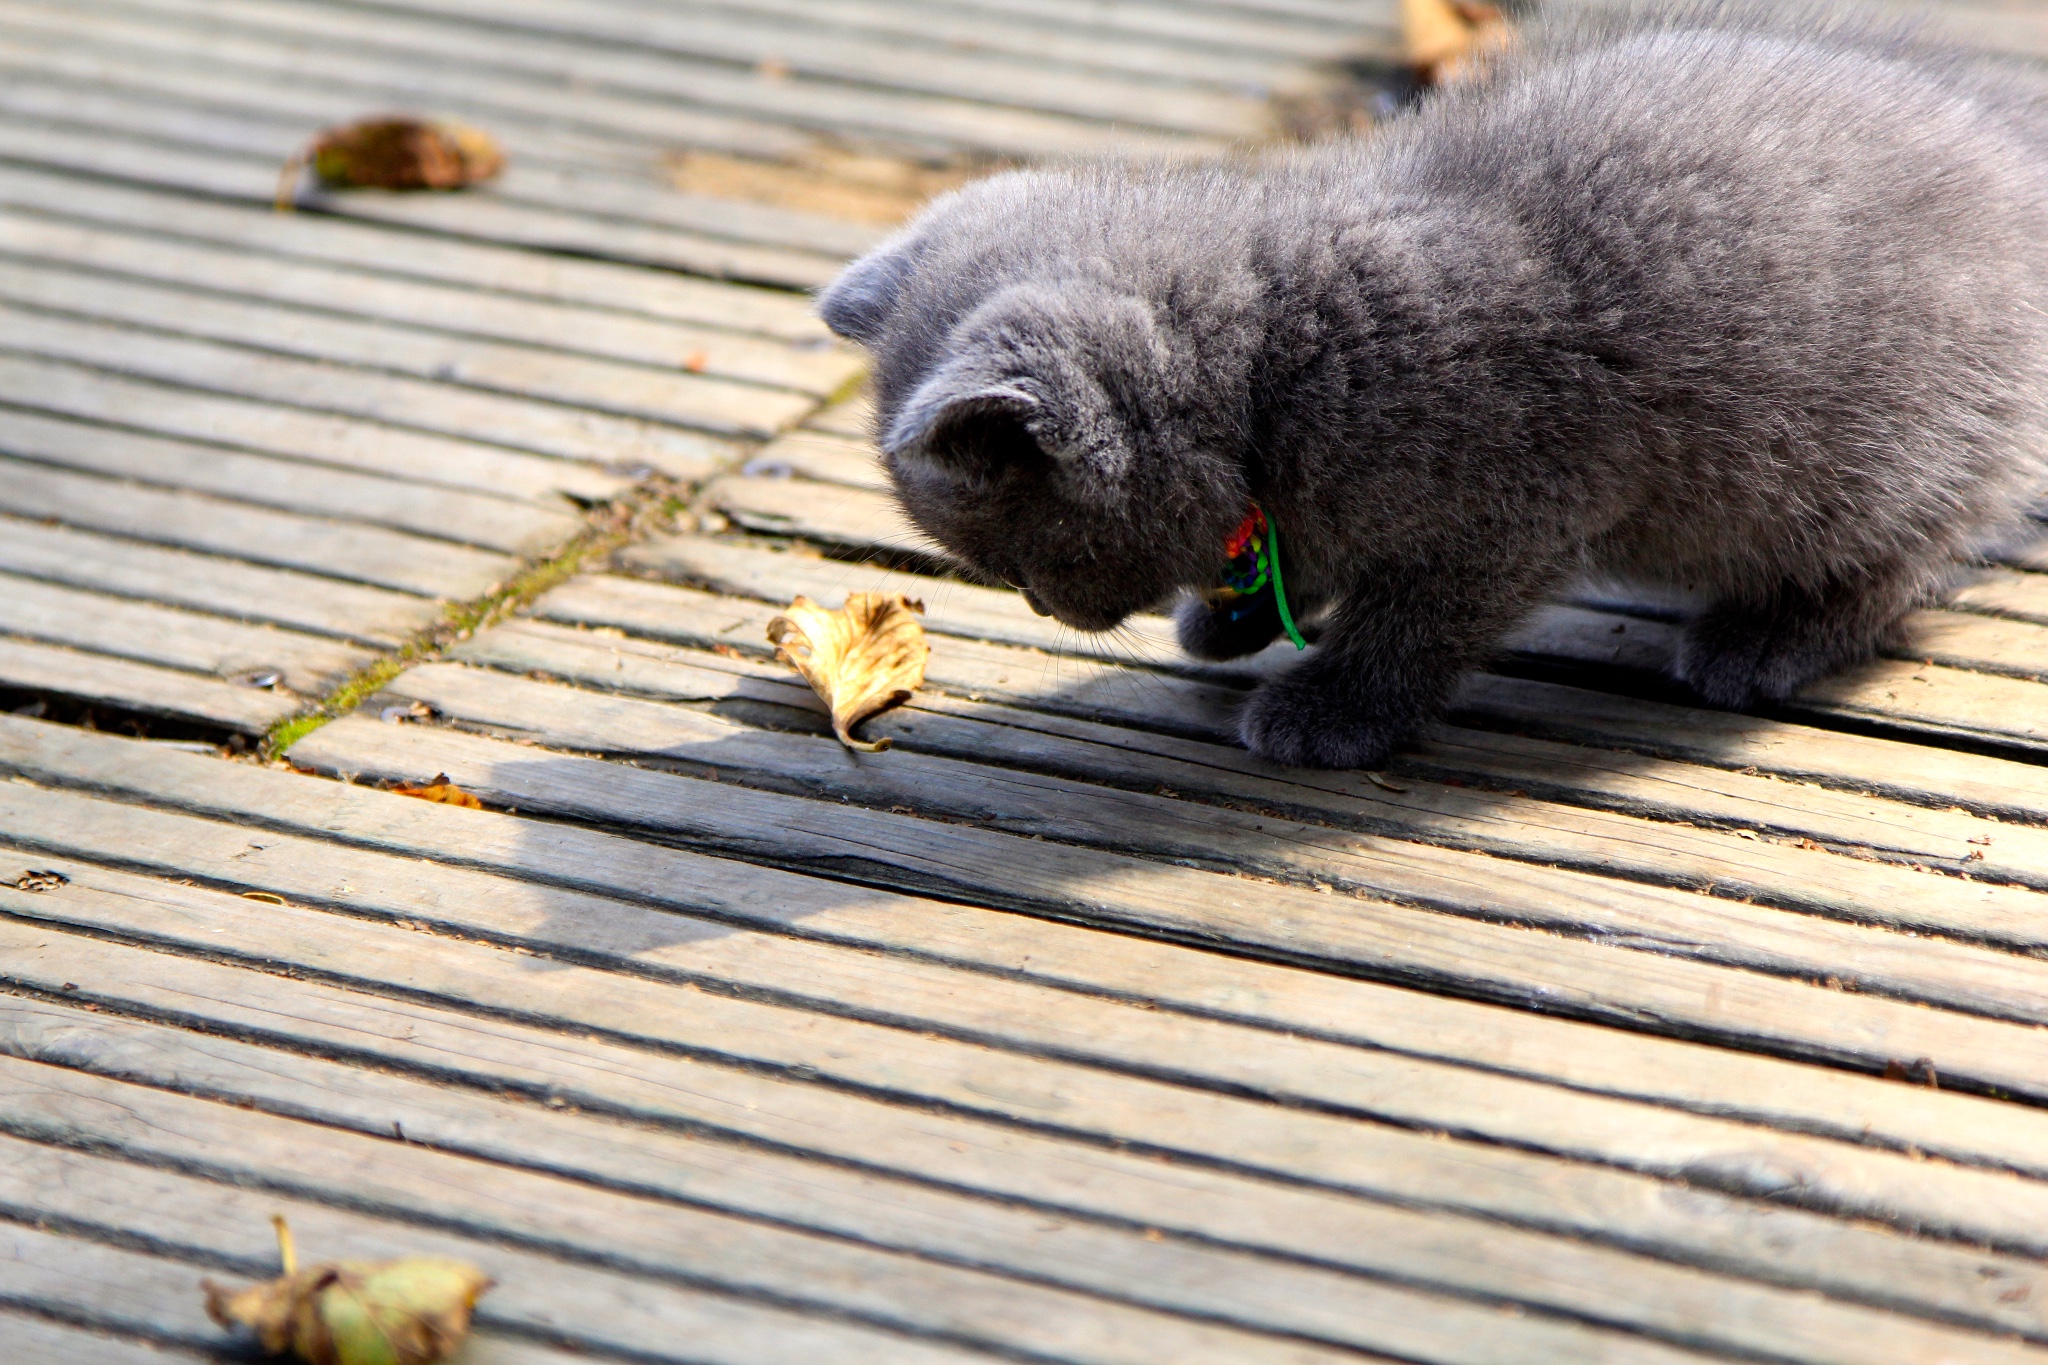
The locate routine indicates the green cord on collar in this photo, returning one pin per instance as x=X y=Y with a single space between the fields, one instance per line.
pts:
x=1252 y=560
x=1280 y=588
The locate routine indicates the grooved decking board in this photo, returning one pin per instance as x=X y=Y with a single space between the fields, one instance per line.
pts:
x=211 y=1230
x=1119 y=968
x=816 y=50
x=1600 y=977
x=653 y=394
x=642 y=341
x=147 y=688
x=515 y=527
x=543 y=428
x=802 y=104
x=366 y=554
x=42 y=1338
x=886 y=1215
x=210 y=645
x=226 y=587
x=119 y=145
x=1733 y=858
x=74 y=390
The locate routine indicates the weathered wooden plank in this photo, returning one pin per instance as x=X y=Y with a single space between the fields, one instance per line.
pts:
x=1498 y=1041
x=307 y=664
x=416 y=303
x=819 y=456
x=903 y=116
x=917 y=996
x=883 y=1290
x=1056 y=46
x=366 y=554
x=1200 y=712
x=853 y=418
x=1600 y=978
x=1581 y=1277
x=748 y=569
x=570 y=141
x=814 y=50
x=856 y=518
x=1911 y=772
x=121 y=148
x=1859 y=763
x=115 y=35
x=1185 y=24
x=1504 y=820
x=515 y=527
x=610 y=291
x=224 y=586
x=1213 y=1281
x=451 y=407
x=1258 y=842
x=226 y=1230
x=1914 y=697
x=430 y=461
x=142 y=687
x=46 y=1339
x=1090 y=688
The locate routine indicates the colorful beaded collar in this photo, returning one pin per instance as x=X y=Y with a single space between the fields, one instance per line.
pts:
x=1252 y=556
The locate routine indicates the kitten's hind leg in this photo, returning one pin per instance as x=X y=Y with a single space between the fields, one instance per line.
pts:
x=1227 y=627
x=1743 y=650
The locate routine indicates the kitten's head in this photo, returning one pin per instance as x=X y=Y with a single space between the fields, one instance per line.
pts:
x=1061 y=373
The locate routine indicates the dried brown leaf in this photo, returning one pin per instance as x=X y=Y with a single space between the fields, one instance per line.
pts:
x=441 y=790
x=861 y=659
x=411 y=1311
x=1446 y=39
x=397 y=152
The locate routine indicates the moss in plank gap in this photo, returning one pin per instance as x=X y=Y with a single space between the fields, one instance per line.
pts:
x=607 y=526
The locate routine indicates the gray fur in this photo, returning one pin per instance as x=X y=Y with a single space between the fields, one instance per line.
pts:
x=1751 y=304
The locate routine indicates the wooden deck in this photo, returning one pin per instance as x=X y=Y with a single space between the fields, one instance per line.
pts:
x=1601 y=1028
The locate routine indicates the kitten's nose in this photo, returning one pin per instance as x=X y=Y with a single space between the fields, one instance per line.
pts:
x=1036 y=605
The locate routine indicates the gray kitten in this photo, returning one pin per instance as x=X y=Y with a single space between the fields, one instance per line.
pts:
x=1749 y=303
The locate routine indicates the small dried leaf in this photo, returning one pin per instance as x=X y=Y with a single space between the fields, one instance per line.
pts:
x=396 y=152
x=410 y=1311
x=1447 y=38
x=440 y=789
x=862 y=659
x=39 y=880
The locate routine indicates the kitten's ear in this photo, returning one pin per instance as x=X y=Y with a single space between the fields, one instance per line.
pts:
x=947 y=417
x=857 y=305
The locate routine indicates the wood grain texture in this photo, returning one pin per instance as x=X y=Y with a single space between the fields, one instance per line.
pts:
x=214 y=1229
x=887 y=1213
x=320 y=438
x=1583 y=1057
x=365 y=554
x=1606 y=977
x=307 y=664
x=226 y=587
x=904 y=117
x=503 y=524
x=130 y=686
x=415 y=303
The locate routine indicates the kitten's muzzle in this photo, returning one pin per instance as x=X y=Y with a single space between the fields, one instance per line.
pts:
x=1036 y=605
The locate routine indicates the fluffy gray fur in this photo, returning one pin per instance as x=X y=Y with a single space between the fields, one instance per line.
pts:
x=1753 y=305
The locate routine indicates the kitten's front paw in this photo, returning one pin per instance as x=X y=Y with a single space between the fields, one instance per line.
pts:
x=1227 y=629
x=1301 y=723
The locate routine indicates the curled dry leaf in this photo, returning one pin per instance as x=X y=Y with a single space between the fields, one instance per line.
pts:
x=1447 y=38
x=411 y=1311
x=396 y=152
x=862 y=659
x=440 y=789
